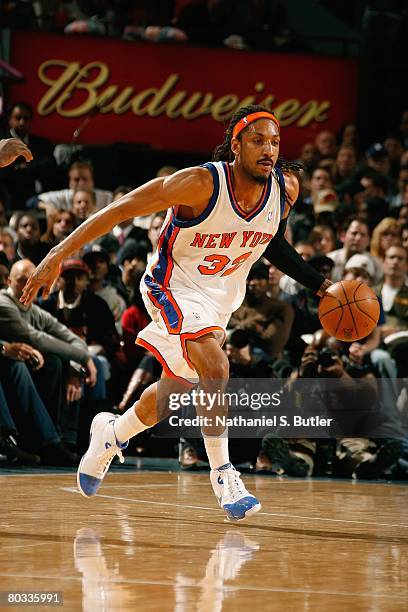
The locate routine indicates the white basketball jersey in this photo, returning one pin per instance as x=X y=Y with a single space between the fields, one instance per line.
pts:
x=210 y=256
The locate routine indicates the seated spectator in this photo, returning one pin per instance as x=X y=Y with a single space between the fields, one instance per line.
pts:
x=287 y=284
x=325 y=205
x=394 y=290
x=128 y=229
x=83 y=205
x=37 y=328
x=387 y=233
x=325 y=143
x=80 y=176
x=7 y=245
x=29 y=245
x=4 y=270
x=203 y=23
x=267 y=320
x=404 y=235
x=394 y=149
x=394 y=294
x=59 y=225
x=345 y=164
x=83 y=312
x=134 y=319
x=348 y=137
x=97 y=260
x=308 y=157
x=132 y=260
x=246 y=360
x=301 y=220
x=23 y=415
x=322 y=239
x=402 y=196
x=21 y=180
x=356 y=239
x=153 y=234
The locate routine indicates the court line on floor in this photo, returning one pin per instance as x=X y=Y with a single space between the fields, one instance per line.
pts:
x=279 y=514
x=225 y=588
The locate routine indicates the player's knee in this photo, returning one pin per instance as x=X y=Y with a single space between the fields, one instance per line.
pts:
x=216 y=370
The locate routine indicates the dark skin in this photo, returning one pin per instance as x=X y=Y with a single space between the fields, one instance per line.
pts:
x=11 y=148
x=256 y=152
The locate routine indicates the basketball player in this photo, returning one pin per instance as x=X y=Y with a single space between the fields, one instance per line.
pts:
x=220 y=219
x=10 y=149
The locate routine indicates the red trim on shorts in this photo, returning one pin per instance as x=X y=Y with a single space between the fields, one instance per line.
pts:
x=162 y=361
x=193 y=336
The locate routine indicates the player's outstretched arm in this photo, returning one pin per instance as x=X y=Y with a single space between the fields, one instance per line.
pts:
x=11 y=148
x=191 y=188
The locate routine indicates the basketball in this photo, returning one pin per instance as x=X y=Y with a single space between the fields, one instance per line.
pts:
x=349 y=311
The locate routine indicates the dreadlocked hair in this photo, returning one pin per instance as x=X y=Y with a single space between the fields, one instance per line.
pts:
x=223 y=151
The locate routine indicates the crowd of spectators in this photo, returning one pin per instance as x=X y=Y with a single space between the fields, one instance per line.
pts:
x=237 y=24
x=73 y=354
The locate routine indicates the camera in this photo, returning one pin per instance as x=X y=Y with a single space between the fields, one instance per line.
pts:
x=326 y=357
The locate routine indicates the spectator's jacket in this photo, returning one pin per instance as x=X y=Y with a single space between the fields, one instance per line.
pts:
x=397 y=316
x=39 y=329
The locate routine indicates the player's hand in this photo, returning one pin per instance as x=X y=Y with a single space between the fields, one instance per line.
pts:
x=11 y=148
x=323 y=287
x=45 y=275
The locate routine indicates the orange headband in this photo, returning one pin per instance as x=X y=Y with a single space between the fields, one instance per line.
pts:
x=245 y=121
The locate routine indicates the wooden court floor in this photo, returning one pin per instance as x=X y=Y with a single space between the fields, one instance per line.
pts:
x=157 y=542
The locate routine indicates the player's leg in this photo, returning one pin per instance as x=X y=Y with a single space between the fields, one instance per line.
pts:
x=211 y=364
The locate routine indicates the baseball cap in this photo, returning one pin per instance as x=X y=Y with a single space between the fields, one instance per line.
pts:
x=94 y=252
x=361 y=260
x=320 y=261
x=259 y=270
x=327 y=200
x=73 y=264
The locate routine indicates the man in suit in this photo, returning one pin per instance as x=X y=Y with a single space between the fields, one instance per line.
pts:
x=21 y=181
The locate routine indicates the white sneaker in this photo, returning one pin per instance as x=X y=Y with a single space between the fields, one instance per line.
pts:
x=231 y=493
x=103 y=447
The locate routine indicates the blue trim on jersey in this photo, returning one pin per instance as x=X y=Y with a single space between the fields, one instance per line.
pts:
x=156 y=282
x=164 y=304
x=258 y=208
x=160 y=268
x=281 y=183
x=211 y=202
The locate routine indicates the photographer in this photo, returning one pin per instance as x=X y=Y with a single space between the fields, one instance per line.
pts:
x=351 y=402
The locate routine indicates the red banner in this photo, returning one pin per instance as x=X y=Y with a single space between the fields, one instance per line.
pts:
x=173 y=97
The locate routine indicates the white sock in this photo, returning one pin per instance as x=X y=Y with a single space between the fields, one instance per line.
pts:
x=217 y=450
x=128 y=425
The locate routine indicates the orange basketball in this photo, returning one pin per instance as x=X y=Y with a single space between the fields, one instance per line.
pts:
x=349 y=311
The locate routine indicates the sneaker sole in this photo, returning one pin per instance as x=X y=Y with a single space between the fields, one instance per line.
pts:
x=78 y=483
x=249 y=513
